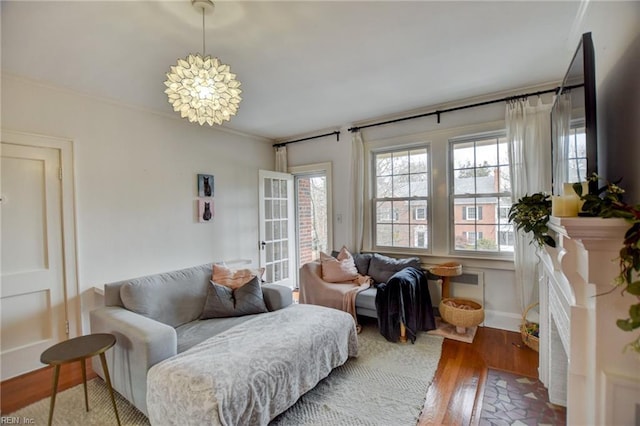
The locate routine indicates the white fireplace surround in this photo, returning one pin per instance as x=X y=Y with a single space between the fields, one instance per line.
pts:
x=582 y=359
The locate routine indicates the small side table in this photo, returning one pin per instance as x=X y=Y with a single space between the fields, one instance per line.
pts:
x=79 y=349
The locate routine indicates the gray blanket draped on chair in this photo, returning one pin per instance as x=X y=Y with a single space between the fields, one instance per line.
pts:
x=404 y=298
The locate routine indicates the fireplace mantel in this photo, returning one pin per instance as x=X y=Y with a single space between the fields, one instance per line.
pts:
x=582 y=358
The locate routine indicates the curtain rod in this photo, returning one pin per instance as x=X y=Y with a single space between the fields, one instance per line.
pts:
x=438 y=112
x=337 y=133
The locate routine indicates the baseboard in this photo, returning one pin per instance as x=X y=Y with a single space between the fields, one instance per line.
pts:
x=502 y=320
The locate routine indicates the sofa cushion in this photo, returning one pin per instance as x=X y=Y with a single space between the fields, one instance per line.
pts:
x=381 y=267
x=173 y=298
x=223 y=302
x=194 y=332
x=338 y=269
x=362 y=261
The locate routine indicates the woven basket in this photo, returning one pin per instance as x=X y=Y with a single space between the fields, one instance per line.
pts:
x=449 y=269
x=461 y=317
x=527 y=338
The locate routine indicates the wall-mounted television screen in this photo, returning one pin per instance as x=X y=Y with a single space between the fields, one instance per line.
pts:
x=573 y=121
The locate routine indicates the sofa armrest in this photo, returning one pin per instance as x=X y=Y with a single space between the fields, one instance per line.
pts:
x=276 y=296
x=140 y=343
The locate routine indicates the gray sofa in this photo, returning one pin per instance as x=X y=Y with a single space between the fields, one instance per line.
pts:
x=156 y=317
x=314 y=290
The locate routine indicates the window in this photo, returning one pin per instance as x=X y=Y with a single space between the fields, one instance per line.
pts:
x=401 y=198
x=472 y=213
x=421 y=238
x=472 y=237
x=480 y=194
x=503 y=213
x=577 y=157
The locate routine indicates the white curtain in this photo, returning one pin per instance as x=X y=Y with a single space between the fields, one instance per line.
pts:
x=281 y=159
x=529 y=138
x=357 y=187
x=562 y=139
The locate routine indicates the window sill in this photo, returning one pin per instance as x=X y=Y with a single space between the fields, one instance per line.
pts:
x=470 y=261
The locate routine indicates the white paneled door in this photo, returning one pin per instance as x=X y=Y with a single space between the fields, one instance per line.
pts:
x=33 y=305
x=277 y=228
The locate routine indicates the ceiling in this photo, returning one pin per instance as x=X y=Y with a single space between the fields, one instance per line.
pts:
x=304 y=66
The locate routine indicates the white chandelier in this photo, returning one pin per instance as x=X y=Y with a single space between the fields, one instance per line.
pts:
x=201 y=88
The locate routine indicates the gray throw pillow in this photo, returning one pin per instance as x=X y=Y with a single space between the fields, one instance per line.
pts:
x=381 y=267
x=362 y=261
x=222 y=302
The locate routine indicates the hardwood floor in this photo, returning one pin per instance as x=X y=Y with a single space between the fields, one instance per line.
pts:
x=454 y=397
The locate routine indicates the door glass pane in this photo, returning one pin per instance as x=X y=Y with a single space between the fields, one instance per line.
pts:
x=312 y=217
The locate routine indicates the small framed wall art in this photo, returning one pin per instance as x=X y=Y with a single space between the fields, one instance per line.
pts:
x=205 y=210
x=206 y=185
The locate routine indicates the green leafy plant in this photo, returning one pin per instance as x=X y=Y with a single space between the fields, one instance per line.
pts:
x=531 y=214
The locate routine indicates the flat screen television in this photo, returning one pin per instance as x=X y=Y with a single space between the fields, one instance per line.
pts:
x=574 y=145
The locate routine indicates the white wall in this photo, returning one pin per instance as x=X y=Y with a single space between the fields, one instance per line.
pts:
x=136 y=189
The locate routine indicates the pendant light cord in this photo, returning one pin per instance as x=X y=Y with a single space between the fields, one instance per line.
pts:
x=203 y=45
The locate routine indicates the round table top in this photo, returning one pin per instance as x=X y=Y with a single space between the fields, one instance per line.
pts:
x=78 y=348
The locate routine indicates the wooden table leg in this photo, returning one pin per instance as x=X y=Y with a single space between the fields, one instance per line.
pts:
x=403 y=333
x=83 y=365
x=56 y=374
x=103 y=360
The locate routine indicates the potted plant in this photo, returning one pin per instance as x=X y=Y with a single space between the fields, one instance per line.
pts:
x=531 y=214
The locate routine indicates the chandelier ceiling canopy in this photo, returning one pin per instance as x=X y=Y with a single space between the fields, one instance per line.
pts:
x=200 y=87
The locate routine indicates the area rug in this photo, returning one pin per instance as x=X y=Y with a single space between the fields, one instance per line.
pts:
x=386 y=384
x=515 y=400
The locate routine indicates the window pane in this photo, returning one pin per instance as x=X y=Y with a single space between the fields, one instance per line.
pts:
x=401 y=211
x=418 y=210
x=464 y=182
x=463 y=155
x=401 y=162
x=418 y=161
x=486 y=238
x=383 y=211
x=486 y=180
x=419 y=185
x=486 y=153
x=504 y=179
x=465 y=237
x=400 y=186
x=384 y=188
x=401 y=236
x=383 y=235
x=383 y=164
x=419 y=236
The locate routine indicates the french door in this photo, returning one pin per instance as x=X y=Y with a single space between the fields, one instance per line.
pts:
x=277 y=228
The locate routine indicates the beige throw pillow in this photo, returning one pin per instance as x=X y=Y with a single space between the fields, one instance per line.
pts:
x=338 y=269
x=234 y=278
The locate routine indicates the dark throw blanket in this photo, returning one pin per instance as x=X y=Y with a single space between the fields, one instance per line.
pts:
x=404 y=298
